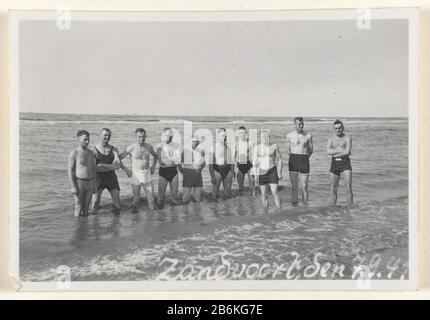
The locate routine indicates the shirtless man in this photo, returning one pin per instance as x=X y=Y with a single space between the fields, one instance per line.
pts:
x=193 y=162
x=222 y=169
x=243 y=155
x=265 y=156
x=82 y=174
x=107 y=159
x=168 y=155
x=299 y=148
x=339 y=147
x=141 y=173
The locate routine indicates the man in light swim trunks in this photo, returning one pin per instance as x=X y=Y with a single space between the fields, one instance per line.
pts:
x=222 y=169
x=82 y=174
x=193 y=162
x=107 y=159
x=243 y=155
x=169 y=155
x=268 y=163
x=339 y=147
x=141 y=172
x=300 y=148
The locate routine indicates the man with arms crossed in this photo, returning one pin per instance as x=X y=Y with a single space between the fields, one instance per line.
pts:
x=82 y=174
x=299 y=148
x=107 y=160
x=168 y=155
x=193 y=162
x=243 y=155
x=339 y=147
x=265 y=156
x=141 y=173
x=222 y=169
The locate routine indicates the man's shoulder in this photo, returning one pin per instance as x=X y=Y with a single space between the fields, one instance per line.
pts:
x=73 y=152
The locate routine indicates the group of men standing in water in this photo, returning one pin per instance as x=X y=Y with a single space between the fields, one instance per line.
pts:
x=91 y=170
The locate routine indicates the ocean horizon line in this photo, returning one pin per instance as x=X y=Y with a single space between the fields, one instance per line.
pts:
x=154 y=117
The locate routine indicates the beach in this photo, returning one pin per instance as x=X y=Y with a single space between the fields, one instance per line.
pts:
x=178 y=242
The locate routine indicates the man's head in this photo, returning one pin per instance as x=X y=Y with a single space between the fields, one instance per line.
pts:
x=264 y=135
x=106 y=135
x=299 y=124
x=195 y=141
x=338 y=128
x=167 y=135
x=242 y=133
x=221 y=134
x=140 y=135
x=83 y=138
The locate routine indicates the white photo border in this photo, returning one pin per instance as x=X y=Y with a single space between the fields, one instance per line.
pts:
x=411 y=14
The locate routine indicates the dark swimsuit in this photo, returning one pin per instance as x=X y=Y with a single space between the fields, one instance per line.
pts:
x=340 y=164
x=270 y=177
x=223 y=169
x=168 y=173
x=106 y=180
x=192 y=178
x=299 y=163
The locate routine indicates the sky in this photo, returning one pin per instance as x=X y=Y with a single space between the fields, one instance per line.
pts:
x=219 y=68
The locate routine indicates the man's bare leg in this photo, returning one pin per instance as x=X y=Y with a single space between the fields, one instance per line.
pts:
x=304 y=182
x=186 y=194
x=96 y=200
x=114 y=193
x=198 y=194
x=274 y=189
x=215 y=187
x=136 y=198
x=251 y=181
x=347 y=176
x=264 y=195
x=240 y=180
x=294 y=177
x=174 y=189
x=162 y=187
x=78 y=207
x=88 y=195
x=149 y=192
x=226 y=183
x=334 y=184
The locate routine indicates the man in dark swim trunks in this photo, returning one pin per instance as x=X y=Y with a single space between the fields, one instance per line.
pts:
x=193 y=162
x=339 y=147
x=169 y=155
x=107 y=159
x=222 y=169
x=268 y=163
x=300 y=148
x=243 y=156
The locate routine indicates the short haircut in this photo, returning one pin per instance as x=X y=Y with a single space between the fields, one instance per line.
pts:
x=298 y=119
x=106 y=129
x=83 y=133
x=167 y=129
x=140 y=130
x=220 y=129
x=242 y=128
x=338 y=122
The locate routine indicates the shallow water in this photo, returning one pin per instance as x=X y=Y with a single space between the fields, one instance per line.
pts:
x=232 y=232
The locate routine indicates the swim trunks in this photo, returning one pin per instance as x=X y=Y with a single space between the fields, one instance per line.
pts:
x=244 y=167
x=223 y=169
x=85 y=184
x=141 y=177
x=299 y=163
x=340 y=164
x=106 y=180
x=192 y=178
x=168 y=173
x=270 y=177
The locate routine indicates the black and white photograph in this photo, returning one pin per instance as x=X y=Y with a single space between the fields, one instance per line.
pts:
x=260 y=150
